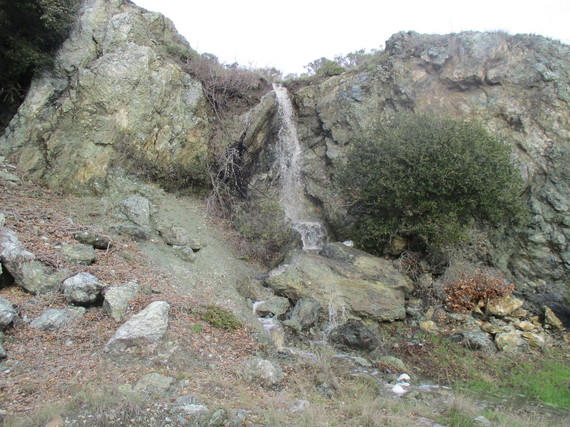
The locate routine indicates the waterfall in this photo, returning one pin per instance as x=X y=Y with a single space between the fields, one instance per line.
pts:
x=293 y=201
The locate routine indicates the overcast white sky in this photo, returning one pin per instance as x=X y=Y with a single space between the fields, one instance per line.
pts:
x=290 y=34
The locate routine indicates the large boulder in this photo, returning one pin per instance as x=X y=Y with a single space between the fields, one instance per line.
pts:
x=146 y=327
x=113 y=95
x=351 y=280
x=26 y=271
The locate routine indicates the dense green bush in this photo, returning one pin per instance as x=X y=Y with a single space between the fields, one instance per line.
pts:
x=30 y=32
x=428 y=177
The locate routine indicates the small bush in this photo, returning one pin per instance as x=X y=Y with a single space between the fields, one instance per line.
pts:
x=464 y=294
x=430 y=178
x=220 y=318
x=263 y=224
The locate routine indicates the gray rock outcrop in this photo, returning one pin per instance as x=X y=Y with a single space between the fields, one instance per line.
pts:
x=146 y=327
x=355 y=282
x=117 y=300
x=112 y=94
x=57 y=318
x=82 y=289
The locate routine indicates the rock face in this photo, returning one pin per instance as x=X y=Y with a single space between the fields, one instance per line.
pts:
x=517 y=86
x=112 y=94
x=349 y=280
x=146 y=327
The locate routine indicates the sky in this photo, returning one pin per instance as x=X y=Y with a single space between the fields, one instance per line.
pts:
x=290 y=34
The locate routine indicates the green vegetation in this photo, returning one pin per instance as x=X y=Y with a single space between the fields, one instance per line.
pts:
x=30 y=33
x=523 y=378
x=220 y=318
x=324 y=67
x=428 y=177
x=262 y=223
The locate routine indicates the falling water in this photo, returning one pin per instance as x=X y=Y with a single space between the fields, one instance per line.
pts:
x=293 y=201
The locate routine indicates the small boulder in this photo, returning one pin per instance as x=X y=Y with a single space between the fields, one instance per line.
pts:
x=154 y=384
x=535 y=341
x=429 y=326
x=185 y=253
x=252 y=288
x=274 y=306
x=511 y=342
x=305 y=314
x=262 y=371
x=57 y=318
x=475 y=341
x=146 y=327
x=178 y=236
x=134 y=231
x=97 y=240
x=136 y=209
x=504 y=306
x=79 y=254
x=353 y=335
x=3 y=355
x=552 y=320
x=117 y=300
x=82 y=289
x=7 y=313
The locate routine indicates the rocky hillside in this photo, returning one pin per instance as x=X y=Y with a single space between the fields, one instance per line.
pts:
x=105 y=276
x=518 y=86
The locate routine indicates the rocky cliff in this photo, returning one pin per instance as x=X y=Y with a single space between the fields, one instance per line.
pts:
x=518 y=86
x=113 y=92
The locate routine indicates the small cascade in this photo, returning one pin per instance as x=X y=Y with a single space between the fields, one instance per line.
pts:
x=272 y=327
x=293 y=201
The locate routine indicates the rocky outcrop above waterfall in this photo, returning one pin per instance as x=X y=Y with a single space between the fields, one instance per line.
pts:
x=346 y=281
x=518 y=86
x=113 y=94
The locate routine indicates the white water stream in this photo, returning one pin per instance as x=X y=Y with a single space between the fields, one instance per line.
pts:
x=293 y=201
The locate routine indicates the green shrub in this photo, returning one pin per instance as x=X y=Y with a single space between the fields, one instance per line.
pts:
x=220 y=318
x=428 y=177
